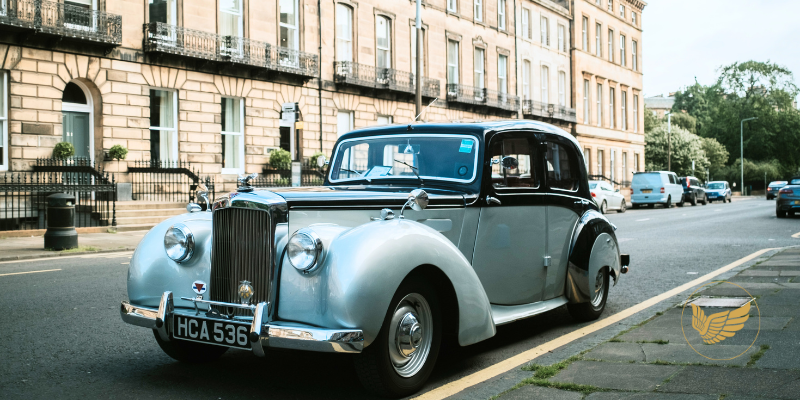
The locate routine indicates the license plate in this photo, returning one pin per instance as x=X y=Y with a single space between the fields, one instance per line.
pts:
x=797 y=202
x=647 y=190
x=223 y=333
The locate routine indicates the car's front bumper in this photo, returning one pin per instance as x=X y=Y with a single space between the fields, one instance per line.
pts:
x=263 y=334
x=716 y=196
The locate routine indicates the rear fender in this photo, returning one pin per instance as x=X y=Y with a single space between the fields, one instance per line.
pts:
x=594 y=246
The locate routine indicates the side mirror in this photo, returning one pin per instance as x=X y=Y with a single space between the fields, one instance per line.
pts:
x=417 y=199
x=509 y=163
x=320 y=161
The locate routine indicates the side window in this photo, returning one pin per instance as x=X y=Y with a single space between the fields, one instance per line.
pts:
x=561 y=171
x=524 y=175
x=671 y=178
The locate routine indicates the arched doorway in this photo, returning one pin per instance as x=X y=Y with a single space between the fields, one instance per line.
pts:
x=78 y=119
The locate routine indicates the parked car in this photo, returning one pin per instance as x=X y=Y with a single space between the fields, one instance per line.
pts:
x=655 y=187
x=718 y=191
x=372 y=264
x=774 y=187
x=606 y=197
x=693 y=191
x=788 y=200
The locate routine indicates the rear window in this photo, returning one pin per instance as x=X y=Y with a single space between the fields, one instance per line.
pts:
x=794 y=181
x=653 y=179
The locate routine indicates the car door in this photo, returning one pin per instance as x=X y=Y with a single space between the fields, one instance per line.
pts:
x=616 y=198
x=511 y=241
x=563 y=178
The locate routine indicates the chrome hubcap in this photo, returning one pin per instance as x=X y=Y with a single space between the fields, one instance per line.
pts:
x=410 y=335
x=597 y=296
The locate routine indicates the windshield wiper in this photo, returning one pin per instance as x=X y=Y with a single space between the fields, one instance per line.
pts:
x=359 y=173
x=414 y=170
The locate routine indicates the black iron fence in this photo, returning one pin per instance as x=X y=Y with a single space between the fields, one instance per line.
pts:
x=66 y=20
x=167 y=181
x=548 y=110
x=458 y=93
x=621 y=184
x=351 y=73
x=281 y=176
x=23 y=198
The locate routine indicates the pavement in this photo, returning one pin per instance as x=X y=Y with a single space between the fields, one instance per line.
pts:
x=25 y=248
x=666 y=358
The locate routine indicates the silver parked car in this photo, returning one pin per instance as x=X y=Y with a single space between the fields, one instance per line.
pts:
x=606 y=197
x=419 y=231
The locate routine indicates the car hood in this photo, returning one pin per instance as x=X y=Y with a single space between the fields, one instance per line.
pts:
x=364 y=196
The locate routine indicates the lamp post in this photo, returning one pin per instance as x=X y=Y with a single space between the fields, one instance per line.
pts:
x=669 y=141
x=741 y=144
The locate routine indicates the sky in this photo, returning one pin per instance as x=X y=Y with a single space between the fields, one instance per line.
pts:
x=684 y=39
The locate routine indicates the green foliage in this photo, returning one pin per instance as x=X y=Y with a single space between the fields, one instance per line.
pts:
x=118 y=152
x=754 y=172
x=651 y=120
x=280 y=158
x=685 y=148
x=684 y=120
x=63 y=150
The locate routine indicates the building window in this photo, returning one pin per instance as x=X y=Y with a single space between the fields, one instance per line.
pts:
x=3 y=121
x=230 y=18
x=611 y=161
x=599 y=95
x=289 y=24
x=526 y=80
x=414 y=51
x=561 y=39
x=633 y=18
x=452 y=62
x=598 y=46
x=545 y=84
x=452 y=6
x=585 y=34
x=562 y=88
x=600 y=167
x=478 y=10
x=636 y=113
x=587 y=158
x=344 y=122
x=383 y=42
x=622 y=59
x=163 y=125
x=624 y=167
x=611 y=45
x=232 y=135
x=634 y=60
x=501 y=14
x=622 y=11
x=526 y=24
x=545 y=32
x=624 y=109
x=611 y=6
x=164 y=11
x=344 y=33
x=479 y=70
x=384 y=120
x=586 y=110
x=611 y=116
x=502 y=71
x=636 y=162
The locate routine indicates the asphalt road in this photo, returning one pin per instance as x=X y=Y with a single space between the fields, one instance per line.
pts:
x=62 y=336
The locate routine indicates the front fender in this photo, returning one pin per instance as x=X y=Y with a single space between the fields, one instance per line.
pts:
x=594 y=246
x=362 y=269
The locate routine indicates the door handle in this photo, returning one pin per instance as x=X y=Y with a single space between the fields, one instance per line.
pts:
x=580 y=205
x=493 y=200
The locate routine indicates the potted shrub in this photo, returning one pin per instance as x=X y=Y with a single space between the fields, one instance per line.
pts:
x=63 y=150
x=280 y=159
x=117 y=152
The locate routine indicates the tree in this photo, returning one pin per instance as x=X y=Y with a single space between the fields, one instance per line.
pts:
x=651 y=120
x=63 y=150
x=686 y=147
x=716 y=154
x=684 y=120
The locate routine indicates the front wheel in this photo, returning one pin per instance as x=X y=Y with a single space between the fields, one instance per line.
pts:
x=592 y=309
x=400 y=360
x=190 y=352
x=705 y=199
x=622 y=207
x=604 y=207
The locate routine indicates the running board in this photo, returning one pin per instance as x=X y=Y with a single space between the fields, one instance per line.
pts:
x=506 y=314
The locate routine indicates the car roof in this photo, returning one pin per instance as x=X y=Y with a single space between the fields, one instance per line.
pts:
x=717 y=182
x=480 y=129
x=654 y=172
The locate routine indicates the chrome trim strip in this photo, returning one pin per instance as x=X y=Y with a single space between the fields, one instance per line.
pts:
x=257 y=330
x=506 y=314
x=165 y=310
x=220 y=303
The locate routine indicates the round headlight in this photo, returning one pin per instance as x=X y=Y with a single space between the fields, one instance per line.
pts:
x=304 y=250
x=179 y=242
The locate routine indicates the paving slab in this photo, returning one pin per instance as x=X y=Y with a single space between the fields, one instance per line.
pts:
x=648 y=396
x=732 y=291
x=682 y=353
x=620 y=376
x=739 y=279
x=784 y=350
x=742 y=381
x=538 y=392
x=614 y=351
x=755 y=272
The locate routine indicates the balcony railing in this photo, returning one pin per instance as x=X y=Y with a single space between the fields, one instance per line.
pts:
x=170 y=39
x=547 y=110
x=351 y=73
x=457 y=93
x=63 y=20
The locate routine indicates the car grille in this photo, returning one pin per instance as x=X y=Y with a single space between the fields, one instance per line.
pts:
x=241 y=250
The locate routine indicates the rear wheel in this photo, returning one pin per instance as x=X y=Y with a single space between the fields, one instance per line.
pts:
x=693 y=200
x=668 y=204
x=402 y=357
x=604 y=207
x=190 y=352
x=592 y=309
x=622 y=207
x=653 y=205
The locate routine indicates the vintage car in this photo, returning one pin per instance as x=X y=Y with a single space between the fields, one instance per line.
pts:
x=420 y=231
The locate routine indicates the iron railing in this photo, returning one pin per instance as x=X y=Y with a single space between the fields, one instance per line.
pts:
x=623 y=184
x=281 y=176
x=171 y=39
x=351 y=73
x=66 y=20
x=458 y=93
x=548 y=110
x=23 y=199
x=175 y=181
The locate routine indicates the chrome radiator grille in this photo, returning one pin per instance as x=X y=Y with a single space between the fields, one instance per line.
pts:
x=241 y=250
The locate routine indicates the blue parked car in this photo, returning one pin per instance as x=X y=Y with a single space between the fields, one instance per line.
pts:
x=718 y=190
x=788 y=200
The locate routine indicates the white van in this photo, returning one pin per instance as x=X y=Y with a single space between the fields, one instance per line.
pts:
x=655 y=187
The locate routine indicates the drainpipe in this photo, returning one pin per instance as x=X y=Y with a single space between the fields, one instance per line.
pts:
x=516 y=63
x=319 y=70
x=573 y=46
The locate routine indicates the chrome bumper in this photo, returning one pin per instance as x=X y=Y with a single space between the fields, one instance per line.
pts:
x=274 y=334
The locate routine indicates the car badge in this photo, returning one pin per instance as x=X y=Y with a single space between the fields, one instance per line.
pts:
x=245 y=291
x=199 y=287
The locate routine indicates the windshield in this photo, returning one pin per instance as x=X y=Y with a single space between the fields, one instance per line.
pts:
x=653 y=179
x=438 y=157
x=716 y=185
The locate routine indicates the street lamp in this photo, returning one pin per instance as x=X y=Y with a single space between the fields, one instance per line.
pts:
x=741 y=143
x=669 y=141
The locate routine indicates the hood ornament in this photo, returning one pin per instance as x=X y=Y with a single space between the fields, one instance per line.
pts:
x=245 y=291
x=244 y=182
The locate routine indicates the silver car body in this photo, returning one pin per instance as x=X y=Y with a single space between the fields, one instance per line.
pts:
x=494 y=264
x=603 y=191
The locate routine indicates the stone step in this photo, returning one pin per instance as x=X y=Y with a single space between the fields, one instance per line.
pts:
x=140 y=220
x=162 y=212
x=149 y=205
